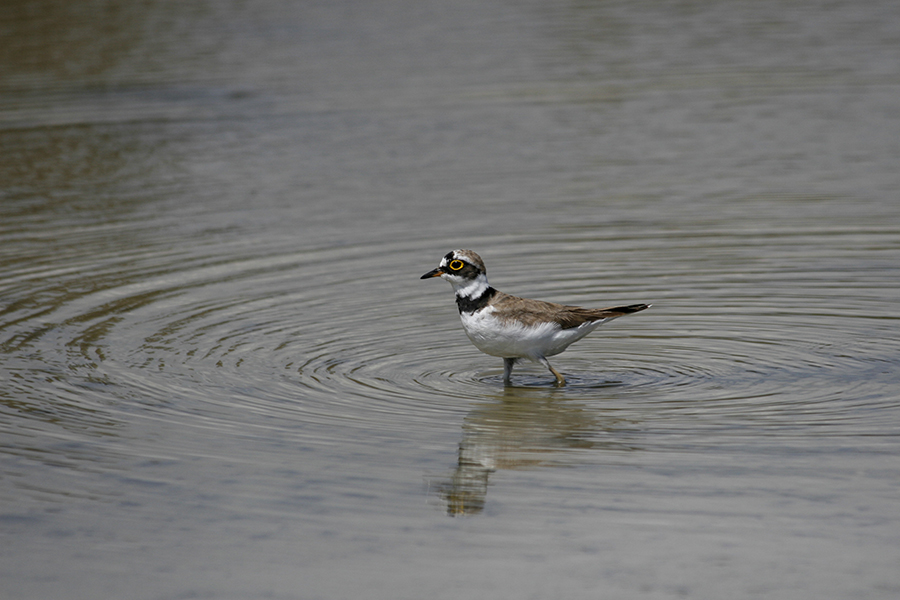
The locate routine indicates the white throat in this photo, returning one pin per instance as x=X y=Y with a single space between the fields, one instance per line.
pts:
x=469 y=288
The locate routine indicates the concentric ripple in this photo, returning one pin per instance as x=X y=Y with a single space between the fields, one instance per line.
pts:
x=320 y=336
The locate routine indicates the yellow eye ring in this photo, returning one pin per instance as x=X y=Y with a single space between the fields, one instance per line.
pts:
x=456 y=265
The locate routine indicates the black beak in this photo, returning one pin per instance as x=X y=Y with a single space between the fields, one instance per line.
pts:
x=433 y=273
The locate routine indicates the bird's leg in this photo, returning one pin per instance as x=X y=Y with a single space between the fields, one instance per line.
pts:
x=560 y=380
x=508 y=364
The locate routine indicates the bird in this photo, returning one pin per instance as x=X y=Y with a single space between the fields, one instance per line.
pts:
x=514 y=328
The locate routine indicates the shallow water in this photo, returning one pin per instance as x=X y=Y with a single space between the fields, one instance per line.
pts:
x=223 y=378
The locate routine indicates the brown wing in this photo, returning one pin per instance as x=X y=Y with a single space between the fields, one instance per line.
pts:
x=575 y=315
x=531 y=312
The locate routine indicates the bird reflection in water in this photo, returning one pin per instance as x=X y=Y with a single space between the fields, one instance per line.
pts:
x=522 y=428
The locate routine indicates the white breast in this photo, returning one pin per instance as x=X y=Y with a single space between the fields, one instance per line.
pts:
x=510 y=339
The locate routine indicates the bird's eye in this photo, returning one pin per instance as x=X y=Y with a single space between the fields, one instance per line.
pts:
x=456 y=265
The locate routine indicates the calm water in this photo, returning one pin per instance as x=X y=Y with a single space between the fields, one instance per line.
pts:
x=222 y=377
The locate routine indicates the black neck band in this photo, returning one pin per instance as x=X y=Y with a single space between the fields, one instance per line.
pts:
x=470 y=305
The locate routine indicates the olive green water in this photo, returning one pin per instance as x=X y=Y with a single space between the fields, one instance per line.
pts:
x=222 y=377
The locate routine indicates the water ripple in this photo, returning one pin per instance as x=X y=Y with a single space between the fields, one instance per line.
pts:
x=318 y=337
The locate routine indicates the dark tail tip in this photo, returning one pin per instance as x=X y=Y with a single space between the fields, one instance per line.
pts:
x=633 y=308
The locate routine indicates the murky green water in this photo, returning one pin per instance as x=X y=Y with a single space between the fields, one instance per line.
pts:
x=223 y=378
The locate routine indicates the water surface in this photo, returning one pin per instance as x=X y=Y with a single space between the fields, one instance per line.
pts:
x=222 y=377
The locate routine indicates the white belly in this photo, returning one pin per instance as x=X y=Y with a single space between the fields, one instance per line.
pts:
x=510 y=339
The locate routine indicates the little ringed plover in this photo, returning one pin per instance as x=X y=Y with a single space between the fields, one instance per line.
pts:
x=514 y=328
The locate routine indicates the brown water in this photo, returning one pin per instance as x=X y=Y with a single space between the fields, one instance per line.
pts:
x=222 y=377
